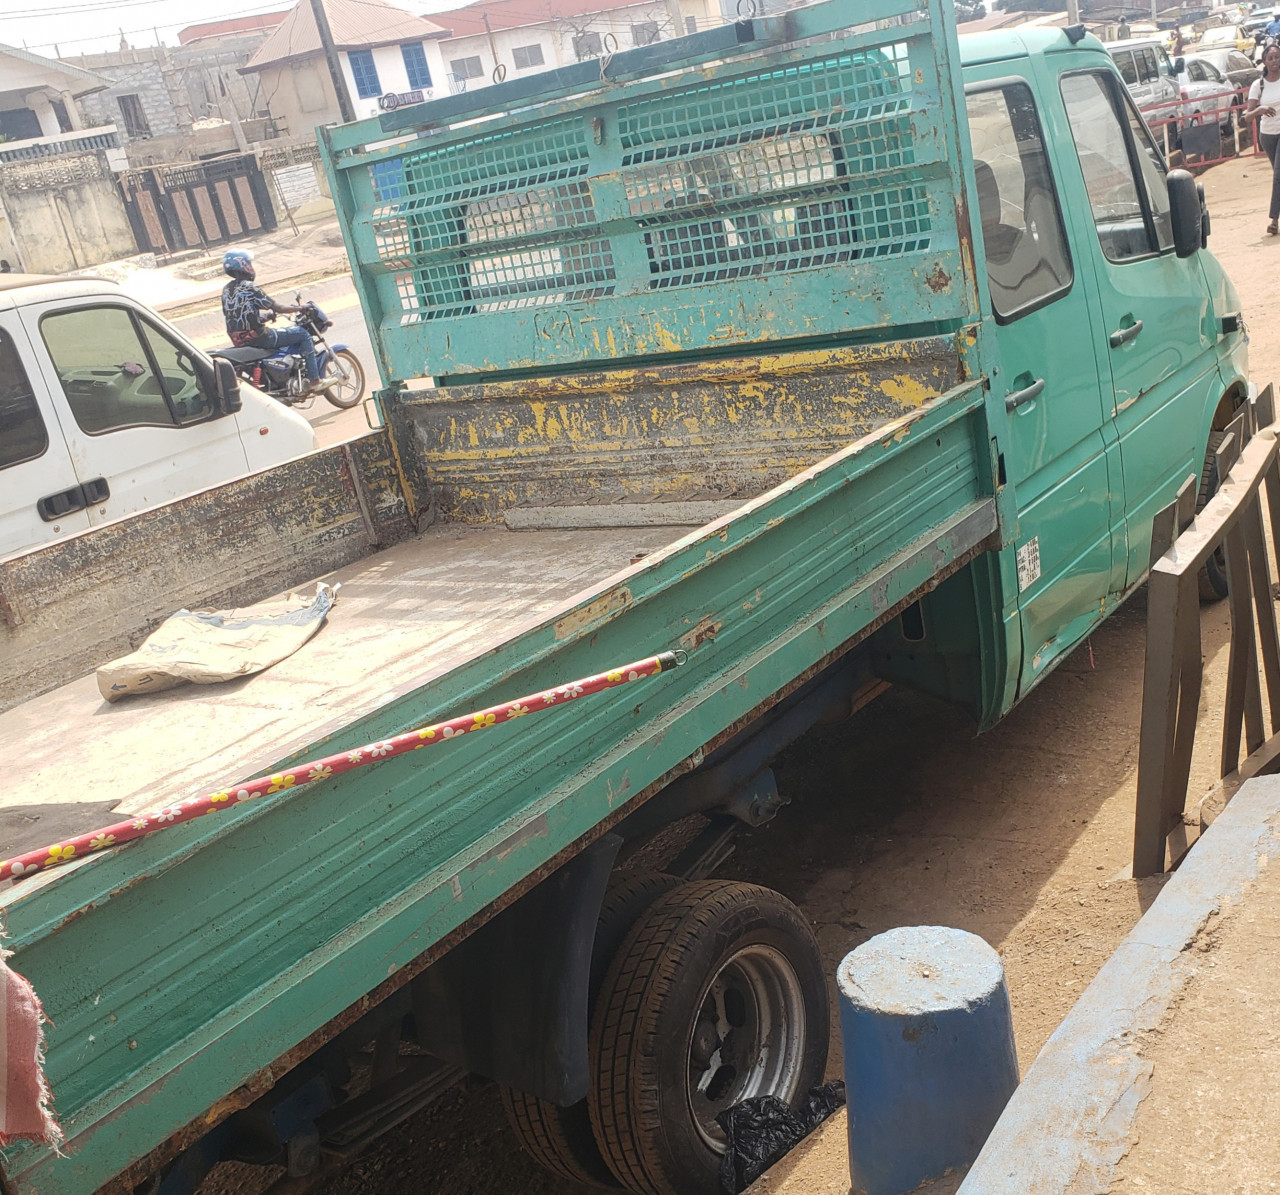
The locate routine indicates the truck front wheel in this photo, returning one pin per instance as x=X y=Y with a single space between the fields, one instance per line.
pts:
x=718 y=995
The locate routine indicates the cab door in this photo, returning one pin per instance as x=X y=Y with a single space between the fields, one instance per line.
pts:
x=1157 y=332
x=39 y=498
x=1056 y=450
x=140 y=427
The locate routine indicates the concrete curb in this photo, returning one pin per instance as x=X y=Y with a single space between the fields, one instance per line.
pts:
x=184 y=308
x=1071 y=1120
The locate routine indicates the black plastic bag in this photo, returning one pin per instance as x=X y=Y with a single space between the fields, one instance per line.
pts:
x=761 y=1130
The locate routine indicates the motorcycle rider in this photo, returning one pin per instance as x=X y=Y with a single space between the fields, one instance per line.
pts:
x=244 y=307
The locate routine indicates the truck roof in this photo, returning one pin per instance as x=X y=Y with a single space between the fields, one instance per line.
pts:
x=995 y=44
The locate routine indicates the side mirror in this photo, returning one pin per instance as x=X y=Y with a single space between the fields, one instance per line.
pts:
x=227 y=384
x=1184 y=208
x=1179 y=65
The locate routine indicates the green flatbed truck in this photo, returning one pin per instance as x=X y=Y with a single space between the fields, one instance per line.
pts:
x=790 y=345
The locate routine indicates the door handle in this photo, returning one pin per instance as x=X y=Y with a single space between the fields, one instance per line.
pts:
x=54 y=506
x=96 y=491
x=1019 y=398
x=1124 y=335
x=65 y=502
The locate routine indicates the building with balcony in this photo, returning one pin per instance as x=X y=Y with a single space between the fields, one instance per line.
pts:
x=40 y=97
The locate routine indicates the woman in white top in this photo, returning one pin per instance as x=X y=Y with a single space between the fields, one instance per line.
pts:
x=1264 y=98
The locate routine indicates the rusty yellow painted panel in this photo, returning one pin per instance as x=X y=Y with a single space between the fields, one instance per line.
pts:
x=711 y=430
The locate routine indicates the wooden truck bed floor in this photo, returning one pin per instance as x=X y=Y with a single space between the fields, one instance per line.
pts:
x=403 y=616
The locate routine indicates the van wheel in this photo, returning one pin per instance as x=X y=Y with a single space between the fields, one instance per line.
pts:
x=560 y=1139
x=718 y=995
x=1212 y=579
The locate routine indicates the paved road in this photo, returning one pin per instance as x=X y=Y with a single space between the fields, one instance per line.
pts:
x=337 y=298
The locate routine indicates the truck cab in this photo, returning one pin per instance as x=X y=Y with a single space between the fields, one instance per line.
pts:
x=106 y=409
x=1119 y=352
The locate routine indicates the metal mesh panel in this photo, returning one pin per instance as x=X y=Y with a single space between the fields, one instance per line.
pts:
x=786 y=169
x=802 y=237
x=842 y=84
x=541 y=210
x=508 y=281
x=479 y=167
x=705 y=177
x=499 y=188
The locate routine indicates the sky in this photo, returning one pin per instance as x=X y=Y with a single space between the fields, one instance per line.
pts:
x=70 y=27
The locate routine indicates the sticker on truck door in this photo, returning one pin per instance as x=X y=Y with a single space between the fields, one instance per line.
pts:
x=1029 y=563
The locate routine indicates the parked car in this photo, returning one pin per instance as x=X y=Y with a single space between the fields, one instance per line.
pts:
x=1239 y=68
x=1236 y=68
x=106 y=409
x=1227 y=37
x=1144 y=66
x=1206 y=92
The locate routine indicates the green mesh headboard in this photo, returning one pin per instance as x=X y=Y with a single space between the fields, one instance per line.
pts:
x=801 y=186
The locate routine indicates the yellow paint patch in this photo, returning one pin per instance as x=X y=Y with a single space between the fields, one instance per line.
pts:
x=907 y=390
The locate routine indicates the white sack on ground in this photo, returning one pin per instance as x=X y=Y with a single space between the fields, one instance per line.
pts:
x=207 y=646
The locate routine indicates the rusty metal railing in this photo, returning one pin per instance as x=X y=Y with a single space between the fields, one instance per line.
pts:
x=1200 y=133
x=1248 y=460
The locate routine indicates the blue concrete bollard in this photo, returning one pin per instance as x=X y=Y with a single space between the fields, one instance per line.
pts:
x=929 y=1059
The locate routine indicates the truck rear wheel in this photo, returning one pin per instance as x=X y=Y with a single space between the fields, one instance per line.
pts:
x=560 y=1139
x=718 y=995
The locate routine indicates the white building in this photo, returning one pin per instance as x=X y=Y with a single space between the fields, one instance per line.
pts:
x=383 y=51
x=506 y=39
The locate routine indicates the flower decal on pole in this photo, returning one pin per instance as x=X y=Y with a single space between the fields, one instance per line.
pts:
x=322 y=769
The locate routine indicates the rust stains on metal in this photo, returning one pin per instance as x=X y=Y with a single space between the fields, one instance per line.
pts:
x=704 y=632
x=604 y=607
x=938 y=279
x=731 y=429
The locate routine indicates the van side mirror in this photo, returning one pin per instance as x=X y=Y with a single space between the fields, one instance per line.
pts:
x=1179 y=65
x=227 y=384
x=1184 y=208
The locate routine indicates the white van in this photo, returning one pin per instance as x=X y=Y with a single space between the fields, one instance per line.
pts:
x=106 y=409
x=1151 y=78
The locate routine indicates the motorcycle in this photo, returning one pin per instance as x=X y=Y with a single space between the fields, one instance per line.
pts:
x=281 y=372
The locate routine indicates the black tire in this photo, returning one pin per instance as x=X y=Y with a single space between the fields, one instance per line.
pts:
x=1212 y=579
x=345 y=365
x=560 y=1139
x=701 y=967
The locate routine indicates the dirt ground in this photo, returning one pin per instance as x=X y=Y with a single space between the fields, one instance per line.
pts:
x=902 y=816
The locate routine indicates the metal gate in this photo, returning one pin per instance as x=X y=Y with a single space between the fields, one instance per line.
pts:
x=194 y=205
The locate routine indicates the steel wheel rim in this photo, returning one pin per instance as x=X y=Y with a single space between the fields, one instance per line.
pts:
x=747 y=1038
x=348 y=383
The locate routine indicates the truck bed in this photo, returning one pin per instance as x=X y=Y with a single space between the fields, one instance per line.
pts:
x=750 y=283
x=402 y=617
x=182 y=971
